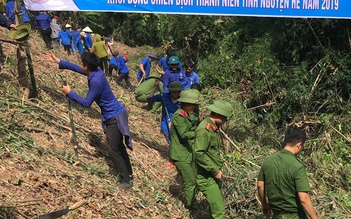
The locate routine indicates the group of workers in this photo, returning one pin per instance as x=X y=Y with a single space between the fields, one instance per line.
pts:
x=194 y=145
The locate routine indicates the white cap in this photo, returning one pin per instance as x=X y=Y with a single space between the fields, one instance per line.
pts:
x=87 y=29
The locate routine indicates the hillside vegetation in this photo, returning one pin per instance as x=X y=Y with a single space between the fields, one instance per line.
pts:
x=40 y=172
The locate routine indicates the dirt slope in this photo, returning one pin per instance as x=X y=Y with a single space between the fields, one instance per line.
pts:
x=39 y=172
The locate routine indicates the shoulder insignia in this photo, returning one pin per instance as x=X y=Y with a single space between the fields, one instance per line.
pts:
x=208 y=126
x=183 y=113
x=214 y=127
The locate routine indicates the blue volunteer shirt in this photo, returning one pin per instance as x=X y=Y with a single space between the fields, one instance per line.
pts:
x=78 y=45
x=76 y=35
x=146 y=62
x=171 y=107
x=169 y=76
x=163 y=62
x=88 y=41
x=122 y=66
x=113 y=61
x=4 y=22
x=99 y=91
x=65 y=37
x=193 y=78
x=43 y=20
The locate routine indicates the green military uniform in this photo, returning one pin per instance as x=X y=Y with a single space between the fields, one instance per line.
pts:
x=143 y=90
x=284 y=176
x=209 y=163
x=181 y=153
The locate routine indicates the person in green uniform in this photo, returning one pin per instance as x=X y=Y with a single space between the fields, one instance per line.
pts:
x=183 y=126
x=283 y=180
x=207 y=156
x=143 y=90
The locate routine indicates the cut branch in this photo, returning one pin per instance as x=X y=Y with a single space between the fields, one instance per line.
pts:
x=230 y=140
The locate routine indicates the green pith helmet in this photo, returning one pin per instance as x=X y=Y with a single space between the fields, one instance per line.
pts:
x=173 y=60
x=21 y=32
x=198 y=93
x=189 y=96
x=154 y=75
x=175 y=86
x=221 y=107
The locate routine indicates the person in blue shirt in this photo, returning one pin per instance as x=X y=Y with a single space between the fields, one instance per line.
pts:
x=69 y=28
x=65 y=37
x=76 y=33
x=113 y=64
x=45 y=25
x=113 y=113
x=169 y=105
x=191 y=76
x=145 y=66
x=10 y=11
x=163 y=62
x=88 y=41
x=123 y=70
x=174 y=73
x=4 y=22
x=79 y=43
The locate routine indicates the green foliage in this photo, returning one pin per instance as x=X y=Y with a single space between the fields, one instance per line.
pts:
x=138 y=29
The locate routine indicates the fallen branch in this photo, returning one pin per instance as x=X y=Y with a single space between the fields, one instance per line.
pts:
x=230 y=140
x=50 y=113
x=337 y=160
x=331 y=148
x=231 y=166
x=341 y=134
x=340 y=205
x=250 y=162
x=17 y=205
x=13 y=42
x=43 y=130
x=263 y=105
x=146 y=167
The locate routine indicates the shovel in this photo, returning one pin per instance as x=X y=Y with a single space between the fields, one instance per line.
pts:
x=59 y=213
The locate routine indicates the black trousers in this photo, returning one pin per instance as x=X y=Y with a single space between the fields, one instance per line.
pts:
x=110 y=69
x=117 y=150
x=45 y=33
x=126 y=78
x=103 y=64
x=67 y=49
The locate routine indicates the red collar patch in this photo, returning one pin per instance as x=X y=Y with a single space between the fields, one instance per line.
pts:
x=208 y=127
x=183 y=113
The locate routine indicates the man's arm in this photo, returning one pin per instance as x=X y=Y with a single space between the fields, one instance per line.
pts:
x=307 y=204
x=152 y=92
x=141 y=66
x=4 y=22
x=262 y=198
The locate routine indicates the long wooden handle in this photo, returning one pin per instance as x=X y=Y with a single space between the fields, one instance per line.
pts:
x=141 y=79
x=77 y=205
